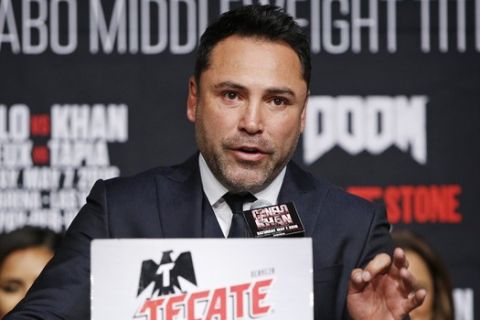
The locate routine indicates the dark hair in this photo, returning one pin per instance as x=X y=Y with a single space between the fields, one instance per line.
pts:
x=259 y=21
x=27 y=237
x=442 y=308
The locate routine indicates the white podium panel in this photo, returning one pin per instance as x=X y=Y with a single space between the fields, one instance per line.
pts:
x=196 y=279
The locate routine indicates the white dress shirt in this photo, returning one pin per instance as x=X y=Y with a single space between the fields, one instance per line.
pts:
x=214 y=191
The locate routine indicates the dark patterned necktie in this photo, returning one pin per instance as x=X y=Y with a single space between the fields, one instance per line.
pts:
x=235 y=201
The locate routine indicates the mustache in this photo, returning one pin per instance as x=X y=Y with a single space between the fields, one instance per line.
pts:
x=238 y=141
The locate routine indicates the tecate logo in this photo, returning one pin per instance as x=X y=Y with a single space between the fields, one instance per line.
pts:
x=372 y=124
x=222 y=303
x=162 y=297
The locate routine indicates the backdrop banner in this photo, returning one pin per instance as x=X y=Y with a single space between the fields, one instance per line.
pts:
x=96 y=89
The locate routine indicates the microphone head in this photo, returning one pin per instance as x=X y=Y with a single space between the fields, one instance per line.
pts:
x=260 y=203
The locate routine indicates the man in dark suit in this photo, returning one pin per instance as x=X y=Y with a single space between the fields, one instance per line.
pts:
x=247 y=100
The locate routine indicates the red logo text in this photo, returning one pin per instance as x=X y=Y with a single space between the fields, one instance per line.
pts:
x=419 y=204
x=247 y=298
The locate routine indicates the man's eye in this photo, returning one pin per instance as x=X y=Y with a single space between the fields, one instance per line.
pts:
x=230 y=95
x=279 y=101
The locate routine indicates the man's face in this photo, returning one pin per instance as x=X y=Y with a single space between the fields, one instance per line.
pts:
x=249 y=111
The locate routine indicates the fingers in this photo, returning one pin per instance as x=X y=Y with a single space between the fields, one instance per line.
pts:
x=415 y=294
x=380 y=264
x=408 y=280
x=415 y=299
x=396 y=286
x=356 y=282
x=409 y=283
x=400 y=259
x=361 y=277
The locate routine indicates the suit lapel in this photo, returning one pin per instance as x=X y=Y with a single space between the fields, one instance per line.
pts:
x=179 y=196
x=299 y=187
x=180 y=193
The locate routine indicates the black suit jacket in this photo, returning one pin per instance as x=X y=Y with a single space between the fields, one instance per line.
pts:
x=166 y=203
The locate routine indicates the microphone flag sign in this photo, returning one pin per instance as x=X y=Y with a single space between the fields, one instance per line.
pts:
x=279 y=220
x=188 y=279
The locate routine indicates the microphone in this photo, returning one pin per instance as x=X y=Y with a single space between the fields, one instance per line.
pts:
x=278 y=220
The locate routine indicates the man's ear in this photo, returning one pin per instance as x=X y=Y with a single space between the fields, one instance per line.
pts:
x=192 y=99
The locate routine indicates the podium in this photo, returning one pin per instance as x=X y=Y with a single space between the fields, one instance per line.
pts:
x=193 y=279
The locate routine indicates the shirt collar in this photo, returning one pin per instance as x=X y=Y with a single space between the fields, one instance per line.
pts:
x=214 y=190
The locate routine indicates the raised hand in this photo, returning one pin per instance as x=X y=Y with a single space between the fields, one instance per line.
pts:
x=384 y=289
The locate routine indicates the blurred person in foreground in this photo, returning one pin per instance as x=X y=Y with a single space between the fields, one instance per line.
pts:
x=24 y=253
x=428 y=268
x=247 y=100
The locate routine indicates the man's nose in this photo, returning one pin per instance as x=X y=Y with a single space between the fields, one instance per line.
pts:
x=252 y=121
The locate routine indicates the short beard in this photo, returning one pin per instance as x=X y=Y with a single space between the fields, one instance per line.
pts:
x=220 y=166
x=222 y=171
